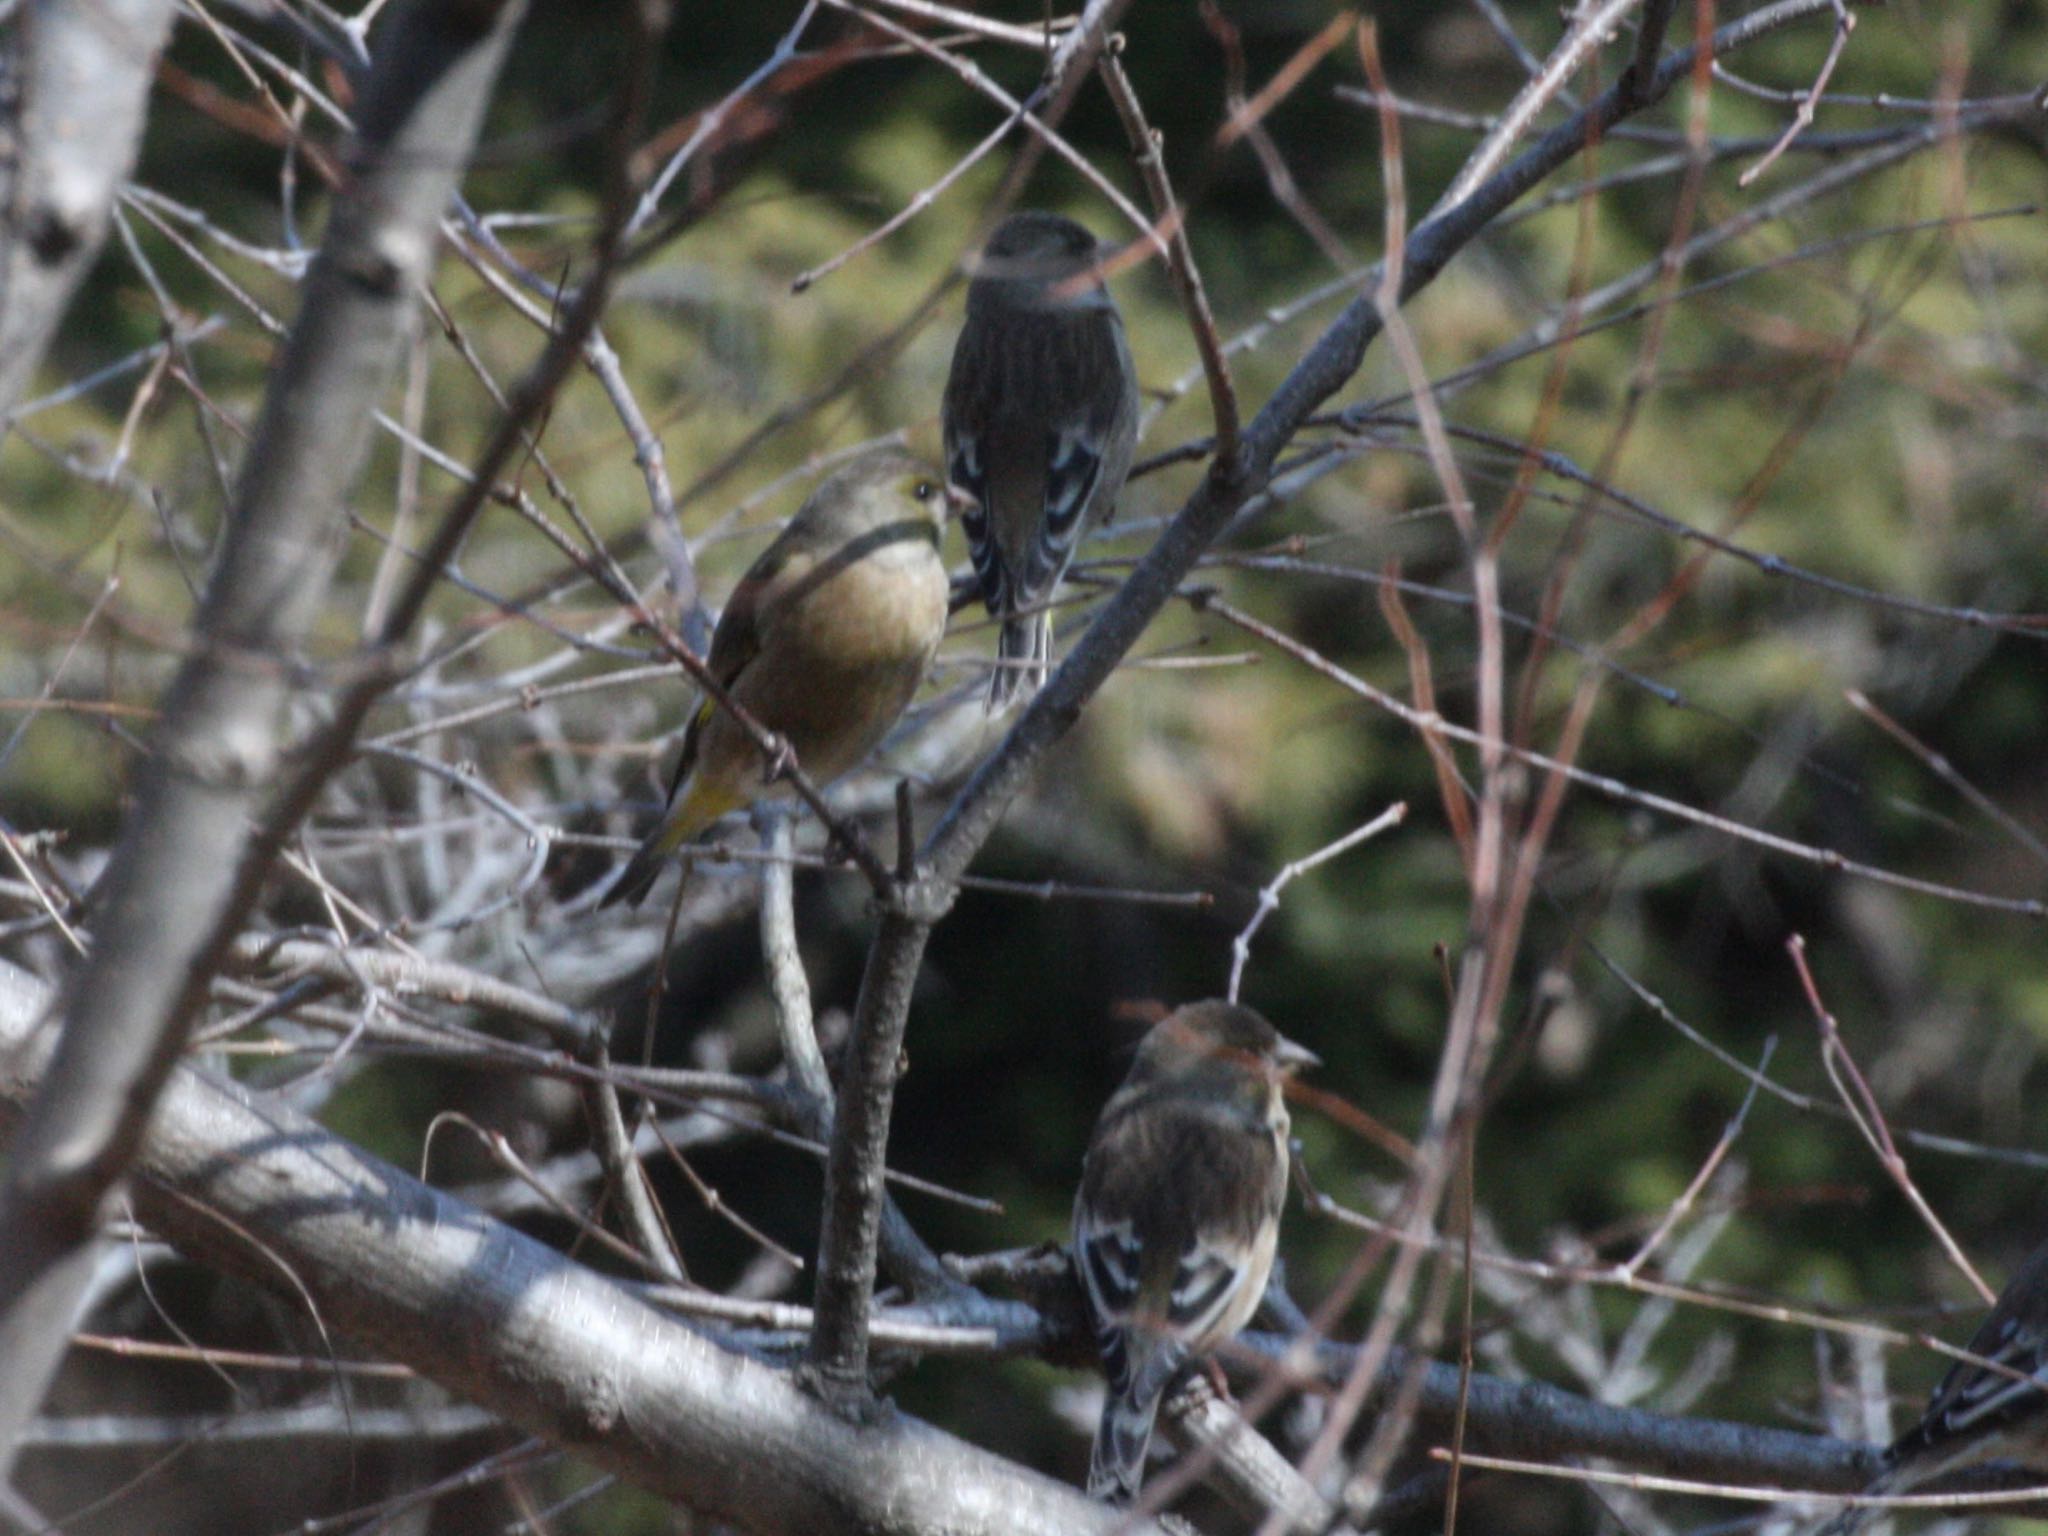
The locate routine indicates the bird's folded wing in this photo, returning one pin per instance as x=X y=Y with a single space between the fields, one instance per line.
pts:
x=1206 y=1280
x=1073 y=469
x=967 y=468
x=2009 y=1378
x=743 y=625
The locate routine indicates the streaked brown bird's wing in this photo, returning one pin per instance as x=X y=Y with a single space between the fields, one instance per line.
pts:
x=1173 y=1238
x=1178 y=1249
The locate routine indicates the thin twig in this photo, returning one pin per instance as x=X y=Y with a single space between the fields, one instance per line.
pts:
x=1269 y=894
x=1826 y=858
x=1938 y=764
x=1652 y=1482
x=1682 y=1206
x=1148 y=150
x=1802 y=119
x=1868 y=1118
x=623 y=1171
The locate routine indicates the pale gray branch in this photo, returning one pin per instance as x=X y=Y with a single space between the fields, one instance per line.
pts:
x=75 y=122
x=177 y=877
x=243 y=1183
x=289 y=1427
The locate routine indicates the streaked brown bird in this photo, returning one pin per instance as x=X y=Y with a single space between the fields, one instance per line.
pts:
x=824 y=642
x=1993 y=1407
x=1041 y=418
x=1178 y=1214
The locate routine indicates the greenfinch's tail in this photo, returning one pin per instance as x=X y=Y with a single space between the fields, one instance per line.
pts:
x=696 y=806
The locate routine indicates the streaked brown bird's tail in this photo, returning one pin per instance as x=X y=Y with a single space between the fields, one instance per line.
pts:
x=1116 y=1464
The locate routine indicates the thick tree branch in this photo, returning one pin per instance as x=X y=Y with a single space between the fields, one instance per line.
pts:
x=69 y=159
x=236 y=1180
x=838 y=1354
x=170 y=898
x=243 y=1183
x=1248 y=1471
x=905 y=1254
x=1549 y=1423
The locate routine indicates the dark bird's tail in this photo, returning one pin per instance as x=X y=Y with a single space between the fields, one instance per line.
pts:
x=1023 y=658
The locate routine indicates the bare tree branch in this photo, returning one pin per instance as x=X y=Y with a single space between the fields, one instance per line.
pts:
x=216 y=747
x=68 y=162
x=247 y=1185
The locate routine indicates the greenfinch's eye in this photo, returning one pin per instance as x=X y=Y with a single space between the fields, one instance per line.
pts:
x=924 y=490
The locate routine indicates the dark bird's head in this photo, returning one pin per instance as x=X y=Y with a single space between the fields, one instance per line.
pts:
x=1036 y=256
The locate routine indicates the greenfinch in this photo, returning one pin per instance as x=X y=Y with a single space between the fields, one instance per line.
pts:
x=1178 y=1213
x=1040 y=419
x=824 y=642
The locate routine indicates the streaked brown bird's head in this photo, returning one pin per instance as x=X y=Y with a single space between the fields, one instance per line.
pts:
x=1215 y=1039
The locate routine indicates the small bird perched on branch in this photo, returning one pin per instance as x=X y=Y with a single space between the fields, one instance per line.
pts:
x=1041 y=417
x=824 y=642
x=1992 y=1407
x=1178 y=1213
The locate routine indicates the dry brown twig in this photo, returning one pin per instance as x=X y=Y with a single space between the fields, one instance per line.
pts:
x=1869 y=1120
x=1451 y=791
x=1611 y=787
x=1652 y=1482
x=1938 y=764
x=1148 y=150
x=1493 y=926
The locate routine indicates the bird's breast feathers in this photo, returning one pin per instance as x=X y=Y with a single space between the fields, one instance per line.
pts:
x=887 y=608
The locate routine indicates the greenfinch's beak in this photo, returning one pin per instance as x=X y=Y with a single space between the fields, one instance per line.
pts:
x=1291 y=1056
x=958 y=501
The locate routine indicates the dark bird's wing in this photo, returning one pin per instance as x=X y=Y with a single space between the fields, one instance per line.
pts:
x=967 y=468
x=1990 y=1407
x=2007 y=1383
